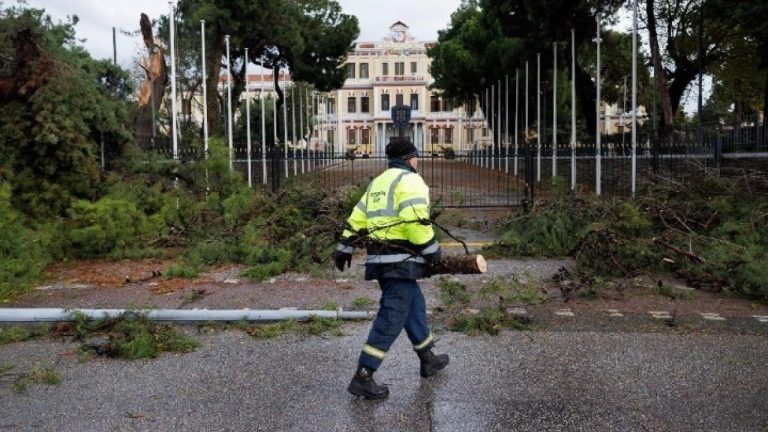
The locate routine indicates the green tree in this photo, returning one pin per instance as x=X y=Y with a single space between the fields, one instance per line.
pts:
x=746 y=70
x=489 y=39
x=695 y=36
x=309 y=37
x=57 y=105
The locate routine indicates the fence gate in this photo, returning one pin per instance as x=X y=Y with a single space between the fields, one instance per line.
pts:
x=471 y=180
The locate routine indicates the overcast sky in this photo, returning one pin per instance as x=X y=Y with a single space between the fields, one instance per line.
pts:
x=97 y=17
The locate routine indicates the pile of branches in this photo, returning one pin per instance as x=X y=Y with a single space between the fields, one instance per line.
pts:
x=713 y=233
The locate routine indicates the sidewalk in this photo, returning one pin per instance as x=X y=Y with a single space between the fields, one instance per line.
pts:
x=521 y=381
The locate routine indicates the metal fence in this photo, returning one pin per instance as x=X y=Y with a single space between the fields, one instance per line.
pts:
x=505 y=176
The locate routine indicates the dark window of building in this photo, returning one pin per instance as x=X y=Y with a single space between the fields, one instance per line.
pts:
x=448 y=136
x=414 y=68
x=330 y=106
x=351 y=135
x=414 y=101
x=350 y=70
x=385 y=69
x=434 y=135
x=434 y=104
x=365 y=104
x=447 y=106
x=351 y=104
x=399 y=99
x=363 y=70
x=366 y=137
x=385 y=102
x=399 y=68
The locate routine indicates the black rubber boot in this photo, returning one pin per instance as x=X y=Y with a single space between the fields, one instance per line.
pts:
x=364 y=386
x=431 y=363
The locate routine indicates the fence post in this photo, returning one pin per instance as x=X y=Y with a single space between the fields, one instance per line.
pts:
x=275 y=169
x=655 y=150
x=718 y=154
x=530 y=176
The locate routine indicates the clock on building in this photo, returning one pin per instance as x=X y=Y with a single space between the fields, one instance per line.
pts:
x=398 y=36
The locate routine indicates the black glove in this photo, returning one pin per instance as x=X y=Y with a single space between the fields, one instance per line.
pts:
x=433 y=259
x=340 y=258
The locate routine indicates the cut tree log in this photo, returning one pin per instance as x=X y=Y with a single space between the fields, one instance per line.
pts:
x=459 y=264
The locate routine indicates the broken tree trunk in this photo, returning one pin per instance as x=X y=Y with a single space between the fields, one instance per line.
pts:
x=153 y=87
x=459 y=264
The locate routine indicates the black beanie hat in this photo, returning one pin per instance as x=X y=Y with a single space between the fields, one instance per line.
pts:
x=401 y=148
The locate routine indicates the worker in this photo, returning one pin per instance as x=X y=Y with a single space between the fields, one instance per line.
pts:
x=392 y=218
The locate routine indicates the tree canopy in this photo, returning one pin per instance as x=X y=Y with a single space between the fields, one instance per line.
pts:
x=309 y=37
x=490 y=39
x=727 y=39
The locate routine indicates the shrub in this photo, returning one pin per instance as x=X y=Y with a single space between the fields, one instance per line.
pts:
x=108 y=225
x=24 y=253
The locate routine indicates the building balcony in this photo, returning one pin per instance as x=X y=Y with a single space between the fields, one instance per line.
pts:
x=356 y=116
x=440 y=115
x=397 y=79
x=358 y=82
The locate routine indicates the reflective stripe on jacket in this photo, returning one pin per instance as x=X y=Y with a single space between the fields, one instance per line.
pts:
x=395 y=212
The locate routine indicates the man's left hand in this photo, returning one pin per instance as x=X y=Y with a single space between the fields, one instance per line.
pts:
x=341 y=258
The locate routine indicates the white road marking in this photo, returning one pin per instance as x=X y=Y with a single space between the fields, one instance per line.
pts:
x=712 y=316
x=660 y=314
x=564 y=312
x=517 y=311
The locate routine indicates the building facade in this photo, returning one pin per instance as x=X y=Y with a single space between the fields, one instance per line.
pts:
x=380 y=75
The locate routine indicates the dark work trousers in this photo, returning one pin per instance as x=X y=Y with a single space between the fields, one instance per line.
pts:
x=402 y=305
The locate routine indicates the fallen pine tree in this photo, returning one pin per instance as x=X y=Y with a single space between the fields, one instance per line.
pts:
x=713 y=233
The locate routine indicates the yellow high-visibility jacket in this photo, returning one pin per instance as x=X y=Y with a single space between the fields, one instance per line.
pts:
x=395 y=211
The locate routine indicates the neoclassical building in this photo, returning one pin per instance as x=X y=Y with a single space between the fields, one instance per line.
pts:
x=380 y=75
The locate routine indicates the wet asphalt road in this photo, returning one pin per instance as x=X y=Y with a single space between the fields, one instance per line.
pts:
x=518 y=381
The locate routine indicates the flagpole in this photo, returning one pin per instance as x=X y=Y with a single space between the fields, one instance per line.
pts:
x=554 y=110
x=517 y=113
x=634 y=99
x=293 y=125
x=538 y=117
x=303 y=132
x=598 y=152
x=262 y=103
x=573 y=109
x=248 y=121
x=174 y=131
x=205 y=91
x=229 y=103
x=506 y=123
